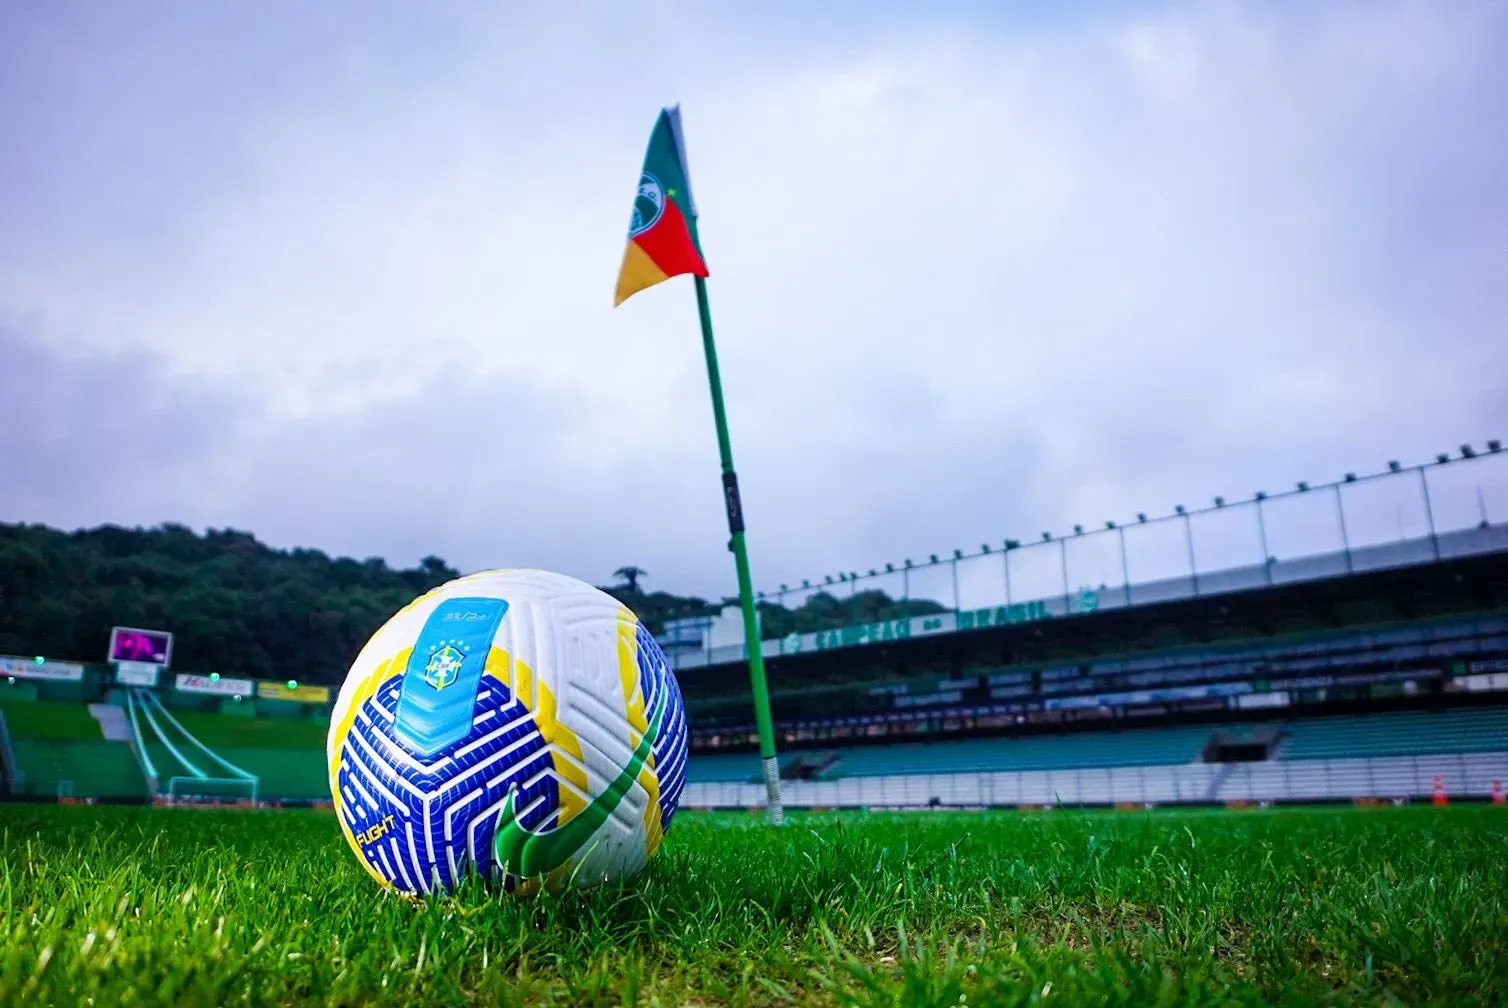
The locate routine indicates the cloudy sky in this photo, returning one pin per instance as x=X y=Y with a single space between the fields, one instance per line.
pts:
x=341 y=273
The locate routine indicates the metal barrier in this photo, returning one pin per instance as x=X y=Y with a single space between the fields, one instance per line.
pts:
x=1463 y=775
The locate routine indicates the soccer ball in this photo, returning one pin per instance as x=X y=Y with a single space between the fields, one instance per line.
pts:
x=519 y=724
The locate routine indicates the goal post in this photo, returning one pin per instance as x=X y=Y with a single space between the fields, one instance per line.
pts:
x=196 y=787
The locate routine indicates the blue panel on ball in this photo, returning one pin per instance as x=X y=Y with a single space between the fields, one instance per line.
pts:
x=670 y=748
x=423 y=824
x=440 y=682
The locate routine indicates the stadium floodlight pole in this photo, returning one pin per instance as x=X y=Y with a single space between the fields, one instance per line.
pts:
x=1063 y=550
x=1125 y=564
x=1262 y=535
x=1345 y=538
x=1188 y=534
x=662 y=243
x=1429 y=512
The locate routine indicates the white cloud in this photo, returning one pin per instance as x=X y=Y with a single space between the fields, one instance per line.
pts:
x=968 y=280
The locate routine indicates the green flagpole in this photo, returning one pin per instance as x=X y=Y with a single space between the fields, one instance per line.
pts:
x=662 y=242
x=753 y=646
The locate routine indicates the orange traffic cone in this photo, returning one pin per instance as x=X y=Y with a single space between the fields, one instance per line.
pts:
x=1440 y=798
x=1497 y=793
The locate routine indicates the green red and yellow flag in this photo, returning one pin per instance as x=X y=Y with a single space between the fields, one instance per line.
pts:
x=662 y=240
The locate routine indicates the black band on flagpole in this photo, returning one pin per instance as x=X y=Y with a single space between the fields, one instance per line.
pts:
x=734 y=505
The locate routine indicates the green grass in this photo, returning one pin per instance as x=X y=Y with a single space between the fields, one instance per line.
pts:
x=109 y=906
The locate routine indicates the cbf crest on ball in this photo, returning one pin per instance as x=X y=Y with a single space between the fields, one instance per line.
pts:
x=519 y=724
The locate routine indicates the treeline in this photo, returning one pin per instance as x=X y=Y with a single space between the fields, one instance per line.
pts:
x=235 y=605
x=239 y=607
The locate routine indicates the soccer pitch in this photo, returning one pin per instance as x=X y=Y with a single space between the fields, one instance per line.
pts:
x=110 y=905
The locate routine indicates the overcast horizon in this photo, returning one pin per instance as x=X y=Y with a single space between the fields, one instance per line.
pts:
x=341 y=277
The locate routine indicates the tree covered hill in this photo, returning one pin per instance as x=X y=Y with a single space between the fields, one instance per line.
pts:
x=240 y=607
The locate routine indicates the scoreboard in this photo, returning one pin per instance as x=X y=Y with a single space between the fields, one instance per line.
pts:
x=150 y=647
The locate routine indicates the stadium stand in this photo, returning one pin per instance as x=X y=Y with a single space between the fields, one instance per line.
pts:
x=1388 y=734
x=1407 y=733
x=1377 y=649
x=108 y=751
x=60 y=749
x=1040 y=752
x=1411 y=755
x=722 y=768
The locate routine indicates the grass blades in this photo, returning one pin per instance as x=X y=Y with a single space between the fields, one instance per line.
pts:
x=107 y=906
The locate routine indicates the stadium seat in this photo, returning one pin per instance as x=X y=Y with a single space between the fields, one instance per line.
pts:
x=1409 y=733
x=60 y=748
x=1391 y=734
x=723 y=768
x=1139 y=747
x=83 y=769
x=47 y=719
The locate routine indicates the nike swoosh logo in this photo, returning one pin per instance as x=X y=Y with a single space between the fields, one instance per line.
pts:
x=531 y=855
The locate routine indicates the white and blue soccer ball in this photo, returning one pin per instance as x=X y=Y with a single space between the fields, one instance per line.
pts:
x=518 y=724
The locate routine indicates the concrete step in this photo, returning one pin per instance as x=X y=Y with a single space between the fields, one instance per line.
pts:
x=112 y=721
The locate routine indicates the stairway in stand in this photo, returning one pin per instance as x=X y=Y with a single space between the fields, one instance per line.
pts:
x=112 y=721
